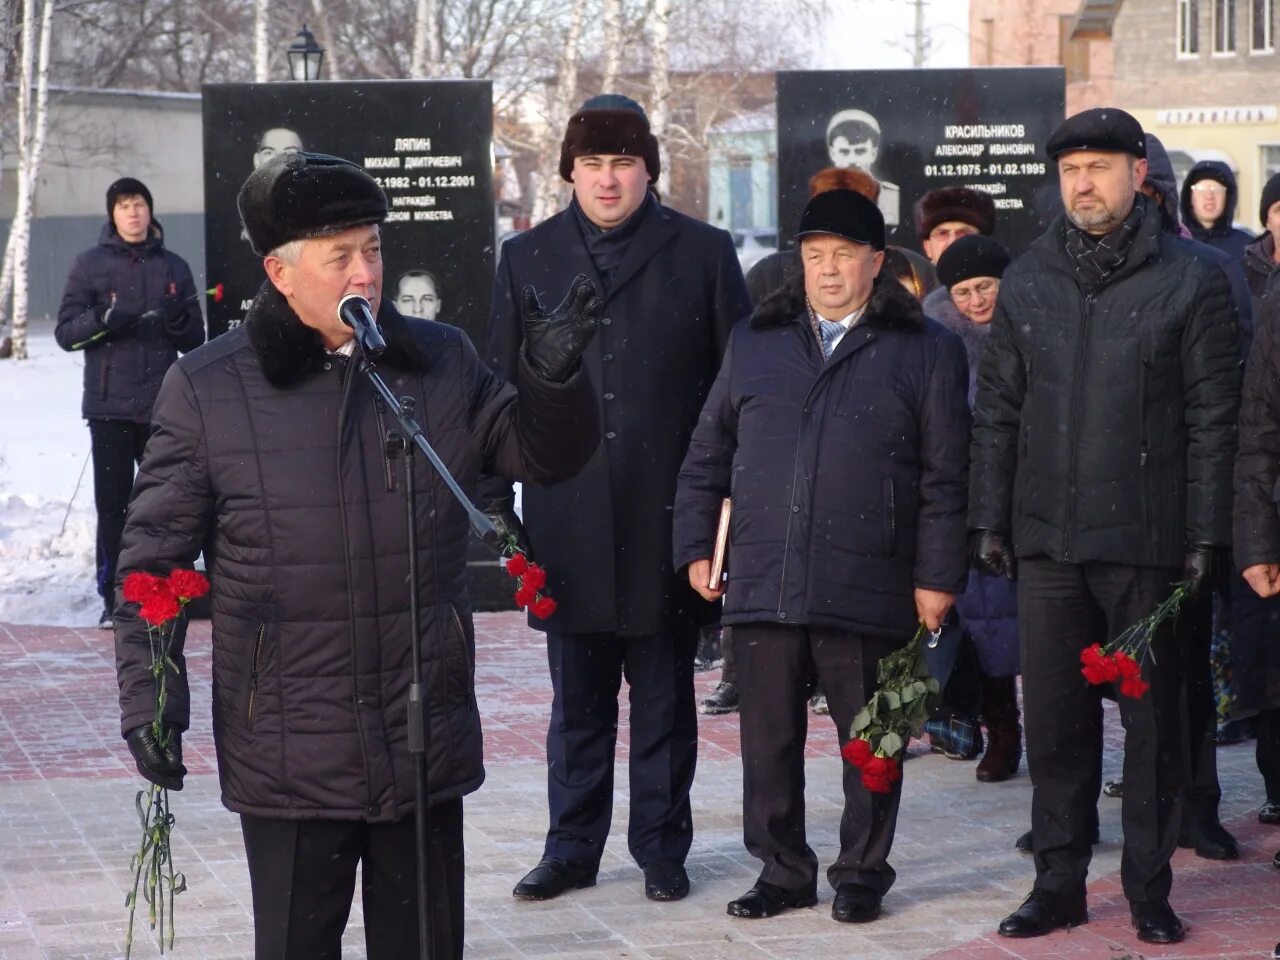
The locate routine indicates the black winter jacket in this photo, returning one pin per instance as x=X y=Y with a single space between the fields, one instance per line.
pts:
x=847 y=477
x=122 y=372
x=269 y=454
x=1105 y=427
x=1260 y=268
x=1257 y=486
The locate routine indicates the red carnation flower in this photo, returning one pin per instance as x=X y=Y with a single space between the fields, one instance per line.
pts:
x=1126 y=666
x=535 y=577
x=1099 y=667
x=525 y=596
x=857 y=751
x=139 y=587
x=188 y=584
x=1134 y=687
x=543 y=607
x=517 y=564
x=216 y=291
x=161 y=608
x=875 y=782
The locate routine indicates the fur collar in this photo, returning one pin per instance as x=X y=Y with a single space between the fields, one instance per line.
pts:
x=290 y=351
x=891 y=306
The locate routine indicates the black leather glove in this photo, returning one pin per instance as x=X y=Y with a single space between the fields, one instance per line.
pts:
x=553 y=344
x=117 y=321
x=1202 y=568
x=990 y=552
x=170 y=311
x=161 y=765
x=502 y=514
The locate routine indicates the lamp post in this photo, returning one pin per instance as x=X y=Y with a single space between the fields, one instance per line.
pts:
x=305 y=56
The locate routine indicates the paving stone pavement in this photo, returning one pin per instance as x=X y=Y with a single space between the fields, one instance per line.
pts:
x=67 y=830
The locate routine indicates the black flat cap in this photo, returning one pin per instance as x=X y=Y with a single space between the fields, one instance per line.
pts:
x=298 y=195
x=843 y=213
x=1108 y=129
x=971 y=257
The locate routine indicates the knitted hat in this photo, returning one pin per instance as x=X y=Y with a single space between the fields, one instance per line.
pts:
x=1270 y=195
x=945 y=204
x=1107 y=129
x=843 y=213
x=128 y=187
x=299 y=195
x=972 y=256
x=609 y=124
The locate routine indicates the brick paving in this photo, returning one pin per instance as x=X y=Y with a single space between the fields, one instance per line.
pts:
x=67 y=830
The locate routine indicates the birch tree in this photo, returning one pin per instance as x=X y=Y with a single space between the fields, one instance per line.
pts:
x=612 y=45
x=327 y=39
x=261 y=58
x=547 y=200
x=426 y=41
x=660 y=84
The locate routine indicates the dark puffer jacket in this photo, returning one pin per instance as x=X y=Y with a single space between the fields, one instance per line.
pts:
x=1221 y=234
x=1260 y=268
x=122 y=372
x=269 y=454
x=1257 y=472
x=1105 y=426
x=847 y=477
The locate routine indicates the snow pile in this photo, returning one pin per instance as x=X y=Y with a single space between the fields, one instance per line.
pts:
x=46 y=565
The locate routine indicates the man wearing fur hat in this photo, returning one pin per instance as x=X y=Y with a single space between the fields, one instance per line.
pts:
x=1104 y=432
x=131 y=306
x=840 y=424
x=271 y=453
x=672 y=288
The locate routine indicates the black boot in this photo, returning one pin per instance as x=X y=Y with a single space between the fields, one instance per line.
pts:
x=1004 y=733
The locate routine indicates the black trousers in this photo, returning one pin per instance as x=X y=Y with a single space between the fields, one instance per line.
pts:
x=117 y=447
x=778 y=667
x=1204 y=793
x=303 y=875
x=586 y=675
x=1062 y=609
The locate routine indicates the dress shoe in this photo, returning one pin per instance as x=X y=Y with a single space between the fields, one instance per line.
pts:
x=1156 y=922
x=1043 y=912
x=1269 y=813
x=1210 y=840
x=665 y=880
x=550 y=878
x=724 y=699
x=855 y=903
x=1113 y=789
x=765 y=900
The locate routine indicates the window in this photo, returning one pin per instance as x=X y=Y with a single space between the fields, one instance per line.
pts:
x=1224 y=27
x=1072 y=54
x=1260 y=26
x=1188 y=28
x=1270 y=160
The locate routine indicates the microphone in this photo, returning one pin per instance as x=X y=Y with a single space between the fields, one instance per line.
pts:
x=353 y=310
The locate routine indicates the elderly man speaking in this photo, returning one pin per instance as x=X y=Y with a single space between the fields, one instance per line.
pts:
x=840 y=424
x=270 y=455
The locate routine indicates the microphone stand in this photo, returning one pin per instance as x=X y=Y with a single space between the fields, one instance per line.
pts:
x=419 y=728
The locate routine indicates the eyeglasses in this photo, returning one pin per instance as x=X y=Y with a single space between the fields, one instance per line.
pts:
x=1208 y=186
x=983 y=288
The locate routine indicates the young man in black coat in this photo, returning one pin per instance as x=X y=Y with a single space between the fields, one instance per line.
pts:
x=273 y=454
x=839 y=425
x=672 y=288
x=1104 y=432
x=131 y=307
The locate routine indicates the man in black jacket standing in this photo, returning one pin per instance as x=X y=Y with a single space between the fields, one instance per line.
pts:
x=672 y=289
x=273 y=453
x=1104 y=431
x=131 y=306
x=840 y=423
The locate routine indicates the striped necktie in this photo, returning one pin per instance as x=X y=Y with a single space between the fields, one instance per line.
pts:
x=830 y=331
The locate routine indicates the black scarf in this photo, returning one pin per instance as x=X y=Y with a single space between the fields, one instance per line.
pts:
x=608 y=247
x=1098 y=258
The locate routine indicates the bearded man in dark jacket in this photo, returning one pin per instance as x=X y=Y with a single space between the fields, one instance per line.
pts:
x=271 y=453
x=672 y=289
x=131 y=307
x=839 y=425
x=1104 y=432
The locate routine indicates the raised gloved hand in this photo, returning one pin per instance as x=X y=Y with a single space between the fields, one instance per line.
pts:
x=118 y=321
x=161 y=765
x=502 y=514
x=1201 y=568
x=553 y=343
x=991 y=553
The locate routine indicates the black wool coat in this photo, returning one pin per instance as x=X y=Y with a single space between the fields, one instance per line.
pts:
x=1105 y=425
x=847 y=477
x=269 y=453
x=605 y=536
x=123 y=371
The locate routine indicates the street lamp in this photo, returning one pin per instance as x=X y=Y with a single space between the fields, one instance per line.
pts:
x=305 y=56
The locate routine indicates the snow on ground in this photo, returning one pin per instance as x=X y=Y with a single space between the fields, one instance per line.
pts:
x=46 y=565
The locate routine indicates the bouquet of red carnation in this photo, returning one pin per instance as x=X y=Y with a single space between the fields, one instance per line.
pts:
x=161 y=601
x=531 y=580
x=894 y=714
x=1121 y=660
